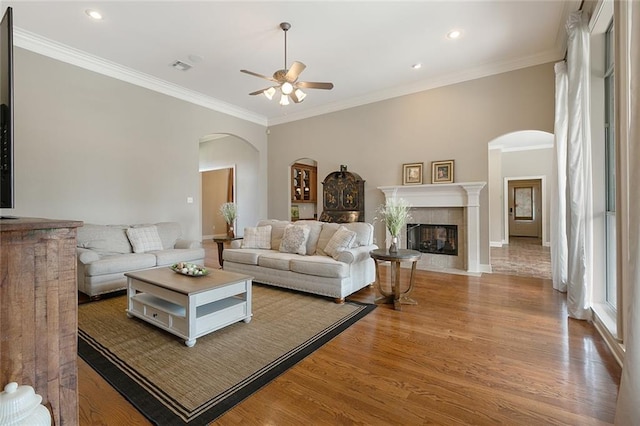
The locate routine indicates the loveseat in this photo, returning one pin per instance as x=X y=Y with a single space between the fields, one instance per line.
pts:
x=106 y=252
x=327 y=259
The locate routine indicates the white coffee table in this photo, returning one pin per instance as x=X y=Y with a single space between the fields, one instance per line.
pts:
x=189 y=307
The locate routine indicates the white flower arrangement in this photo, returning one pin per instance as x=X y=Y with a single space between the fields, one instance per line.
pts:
x=229 y=212
x=394 y=214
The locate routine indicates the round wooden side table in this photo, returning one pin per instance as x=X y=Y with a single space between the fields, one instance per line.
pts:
x=397 y=297
x=220 y=240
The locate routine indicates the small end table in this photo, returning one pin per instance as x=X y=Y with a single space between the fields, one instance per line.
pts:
x=220 y=240
x=396 y=297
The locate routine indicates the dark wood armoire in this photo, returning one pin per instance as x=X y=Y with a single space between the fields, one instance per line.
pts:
x=343 y=197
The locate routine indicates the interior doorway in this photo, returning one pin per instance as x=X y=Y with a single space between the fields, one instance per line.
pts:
x=218 y=187
x=525 y=208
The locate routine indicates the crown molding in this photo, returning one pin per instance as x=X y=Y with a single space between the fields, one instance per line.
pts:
x=41 y=45
x=481 y=71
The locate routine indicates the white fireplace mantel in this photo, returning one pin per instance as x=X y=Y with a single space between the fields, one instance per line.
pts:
x=463 y=194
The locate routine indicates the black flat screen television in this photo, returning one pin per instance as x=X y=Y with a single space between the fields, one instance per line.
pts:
x=7 y=196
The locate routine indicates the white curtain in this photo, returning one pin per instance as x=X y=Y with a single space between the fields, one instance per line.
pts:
x=574 y=165
x=627 y=25
x=559 y=187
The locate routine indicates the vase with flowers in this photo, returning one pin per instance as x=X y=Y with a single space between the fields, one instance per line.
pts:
x=229 y=213
x=394 y=214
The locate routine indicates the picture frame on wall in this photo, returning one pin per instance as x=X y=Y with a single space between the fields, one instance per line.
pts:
x=412 y=173
x=442 y=171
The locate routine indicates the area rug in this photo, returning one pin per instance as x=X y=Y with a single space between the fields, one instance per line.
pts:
x=172 y=384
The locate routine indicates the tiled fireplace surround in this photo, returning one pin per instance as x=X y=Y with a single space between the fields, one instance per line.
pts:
x=445 y=204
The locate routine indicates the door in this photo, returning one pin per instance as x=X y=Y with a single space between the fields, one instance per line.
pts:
x=525 y=208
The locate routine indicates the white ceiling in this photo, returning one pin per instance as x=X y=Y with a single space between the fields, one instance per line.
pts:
x=365 y=48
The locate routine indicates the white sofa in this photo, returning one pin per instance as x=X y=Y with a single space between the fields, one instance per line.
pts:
x=106 y=252
x=337 y=275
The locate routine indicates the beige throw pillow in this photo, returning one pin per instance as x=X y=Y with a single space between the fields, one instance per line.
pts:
x=144 y=239
x=339 y=242
x=294 y=239
x=258 y=237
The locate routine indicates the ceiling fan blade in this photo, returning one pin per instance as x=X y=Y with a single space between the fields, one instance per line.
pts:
x=259 y=92
x=255 y=74
x=314 y=85
x=294 y=71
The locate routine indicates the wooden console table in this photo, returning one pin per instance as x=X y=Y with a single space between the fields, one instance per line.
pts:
x=38 y=311
x=397 y=297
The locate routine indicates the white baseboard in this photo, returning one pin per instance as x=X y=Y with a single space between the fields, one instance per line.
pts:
x=485 y=268
x=495 y=243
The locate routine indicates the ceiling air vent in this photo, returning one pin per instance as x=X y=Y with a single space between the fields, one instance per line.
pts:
x=182 y=66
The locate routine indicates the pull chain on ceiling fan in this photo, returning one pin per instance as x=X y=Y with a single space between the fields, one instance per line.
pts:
x=287 y=79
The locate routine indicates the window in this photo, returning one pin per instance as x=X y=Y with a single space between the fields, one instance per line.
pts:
x=610 y=172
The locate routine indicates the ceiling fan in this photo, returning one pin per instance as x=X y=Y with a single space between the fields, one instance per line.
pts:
x=287 y=79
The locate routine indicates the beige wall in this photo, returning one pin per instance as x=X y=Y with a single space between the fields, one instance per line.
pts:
x=454 y=122
x=93 y=148
x=496 y=198
x=96 y=149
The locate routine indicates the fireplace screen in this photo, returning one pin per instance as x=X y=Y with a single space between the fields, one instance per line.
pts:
x=436 y=239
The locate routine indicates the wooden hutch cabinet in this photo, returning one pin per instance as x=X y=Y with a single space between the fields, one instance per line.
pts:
x=303 y=183
x=343 y=197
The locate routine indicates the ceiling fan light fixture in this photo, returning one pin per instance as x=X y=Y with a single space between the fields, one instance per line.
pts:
x=300 y=95
x=270 y=92
x=286 y=79
x=286 y=88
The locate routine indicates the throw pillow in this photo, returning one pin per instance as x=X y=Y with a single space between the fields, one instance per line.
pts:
x=294 y=239
x=258 y=237
x=144 y=239
x=328 y=229
x=339 y=242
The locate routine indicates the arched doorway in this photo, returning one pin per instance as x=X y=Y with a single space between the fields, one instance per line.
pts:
x=520 y=164
x=232 y=156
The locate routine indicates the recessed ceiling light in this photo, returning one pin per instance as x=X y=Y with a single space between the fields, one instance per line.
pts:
x=416 y=66
x=454 y=34
x=94 y=14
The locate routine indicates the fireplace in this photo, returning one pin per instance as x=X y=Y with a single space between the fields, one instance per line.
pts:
x=451 y=204
x=434 y=239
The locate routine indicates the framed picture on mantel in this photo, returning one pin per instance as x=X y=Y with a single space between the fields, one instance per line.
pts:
x=442 y=171
x=412 y=174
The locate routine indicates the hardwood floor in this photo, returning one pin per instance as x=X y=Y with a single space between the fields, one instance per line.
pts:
x=487 y=350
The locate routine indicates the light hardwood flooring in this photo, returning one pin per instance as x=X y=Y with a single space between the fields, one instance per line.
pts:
x=488 y=350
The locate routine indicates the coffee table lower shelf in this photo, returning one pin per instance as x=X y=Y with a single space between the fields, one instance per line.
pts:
x=189 y=315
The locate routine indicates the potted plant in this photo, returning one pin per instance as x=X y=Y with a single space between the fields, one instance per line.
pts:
x=229 y=213
x=394 y=214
